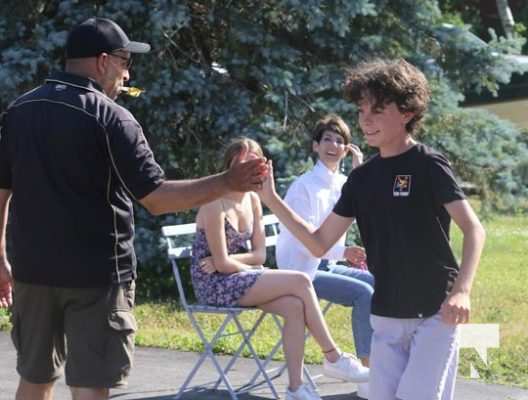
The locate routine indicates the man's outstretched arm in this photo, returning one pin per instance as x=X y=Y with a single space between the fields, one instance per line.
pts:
x=173 y=196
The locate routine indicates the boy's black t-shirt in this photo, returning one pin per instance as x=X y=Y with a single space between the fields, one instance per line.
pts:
x=398 y=204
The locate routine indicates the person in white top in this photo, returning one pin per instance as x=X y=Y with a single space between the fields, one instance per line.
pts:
x=313 y=196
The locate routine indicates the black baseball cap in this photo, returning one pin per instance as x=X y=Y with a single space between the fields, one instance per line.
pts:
x=100 y=35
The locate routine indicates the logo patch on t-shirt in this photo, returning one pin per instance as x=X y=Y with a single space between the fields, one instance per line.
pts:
x=402 y=186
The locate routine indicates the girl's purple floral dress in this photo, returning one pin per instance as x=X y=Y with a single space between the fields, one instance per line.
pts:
x=217 y=288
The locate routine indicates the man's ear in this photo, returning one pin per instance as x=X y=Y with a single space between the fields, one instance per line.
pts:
x=101 y=63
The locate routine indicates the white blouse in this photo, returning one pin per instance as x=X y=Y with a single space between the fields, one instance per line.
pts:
x=312 y=196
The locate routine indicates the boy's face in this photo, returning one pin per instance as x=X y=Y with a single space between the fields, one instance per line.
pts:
x=331 y=148
x=382 y=127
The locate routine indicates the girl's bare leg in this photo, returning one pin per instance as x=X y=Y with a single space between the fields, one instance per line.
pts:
x=273 y=284
x=291 y=308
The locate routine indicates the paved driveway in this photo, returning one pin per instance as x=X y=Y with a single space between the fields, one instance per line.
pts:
x=159 y=373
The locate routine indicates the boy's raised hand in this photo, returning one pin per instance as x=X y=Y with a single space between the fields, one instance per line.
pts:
x=267 y=189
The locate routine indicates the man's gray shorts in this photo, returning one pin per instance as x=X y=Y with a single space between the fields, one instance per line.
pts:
x=90 y=332
x=413 y=359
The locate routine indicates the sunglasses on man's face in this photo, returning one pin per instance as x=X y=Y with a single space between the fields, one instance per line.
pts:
x=127 y=60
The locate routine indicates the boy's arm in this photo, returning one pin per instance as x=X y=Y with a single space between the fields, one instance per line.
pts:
x=298 y=198
x=456 y=307
x=319 y=240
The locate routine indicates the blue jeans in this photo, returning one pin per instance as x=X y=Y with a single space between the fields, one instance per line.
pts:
x=349 y=287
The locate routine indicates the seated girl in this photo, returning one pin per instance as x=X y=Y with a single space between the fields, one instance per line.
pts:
x=225 y=272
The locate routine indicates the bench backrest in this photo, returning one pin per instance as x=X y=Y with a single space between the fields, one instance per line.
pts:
x=174 y=233
x=179 y=240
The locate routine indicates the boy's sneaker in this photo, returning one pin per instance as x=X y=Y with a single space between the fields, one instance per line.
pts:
x=303 y=392
x=362 y=391
x=347 y=369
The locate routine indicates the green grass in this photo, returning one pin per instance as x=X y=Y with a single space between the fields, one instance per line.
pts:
x=498 y=297
x=4 y=320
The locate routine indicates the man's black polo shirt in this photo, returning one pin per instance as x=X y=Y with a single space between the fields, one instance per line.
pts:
x=74 y=160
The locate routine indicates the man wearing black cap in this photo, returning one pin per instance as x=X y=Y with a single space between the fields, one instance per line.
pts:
x=71 y=162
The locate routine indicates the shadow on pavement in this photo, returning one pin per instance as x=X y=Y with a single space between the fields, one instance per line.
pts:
x=209 y=394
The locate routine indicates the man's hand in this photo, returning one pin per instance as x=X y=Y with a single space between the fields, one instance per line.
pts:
x=456 y=308
x=6 y=284
x=355 y=255
x=246 y=175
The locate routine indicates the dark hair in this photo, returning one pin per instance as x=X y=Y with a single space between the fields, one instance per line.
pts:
x=384 y=82
x=235 y=147
x=334 y=123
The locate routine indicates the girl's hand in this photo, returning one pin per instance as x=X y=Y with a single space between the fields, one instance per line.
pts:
x=355 y=255
x=207 y=265
x=357 y=155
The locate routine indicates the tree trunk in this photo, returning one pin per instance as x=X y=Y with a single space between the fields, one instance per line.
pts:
x=506 y=17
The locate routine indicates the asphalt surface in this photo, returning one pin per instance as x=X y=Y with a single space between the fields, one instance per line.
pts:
x=158 y=375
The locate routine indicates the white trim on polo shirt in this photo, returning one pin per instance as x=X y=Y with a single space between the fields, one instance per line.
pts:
x=78 y=86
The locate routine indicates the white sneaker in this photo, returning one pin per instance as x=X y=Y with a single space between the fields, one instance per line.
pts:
x=303 y=392
x=347 y=369
x=362 y=391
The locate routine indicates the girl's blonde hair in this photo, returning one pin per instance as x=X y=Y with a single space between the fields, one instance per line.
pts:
x=235 y=147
